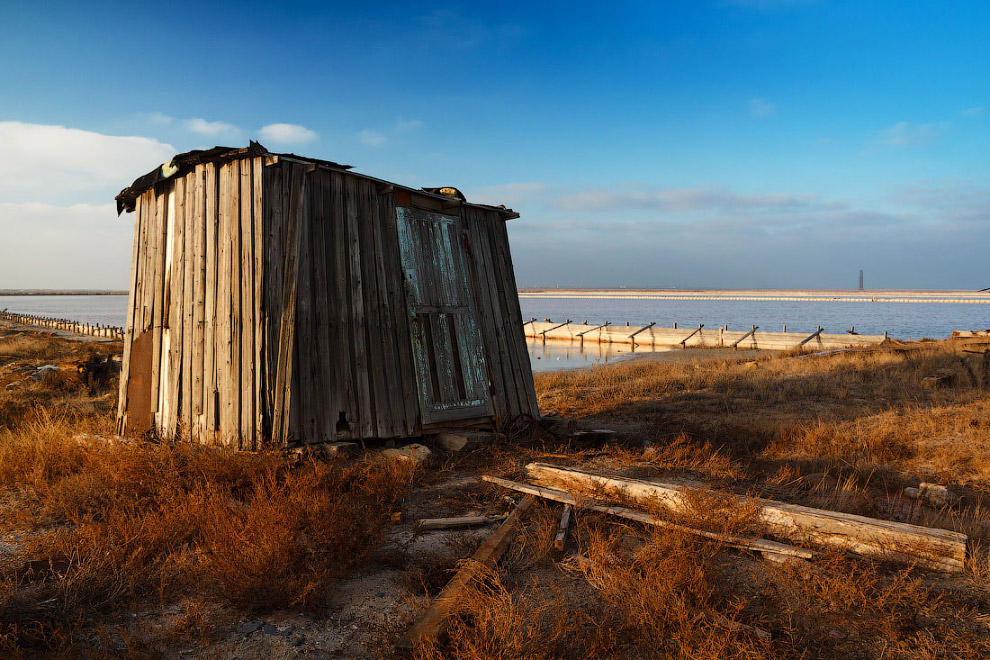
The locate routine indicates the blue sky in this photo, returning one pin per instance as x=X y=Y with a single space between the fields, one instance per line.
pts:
x=754 y=143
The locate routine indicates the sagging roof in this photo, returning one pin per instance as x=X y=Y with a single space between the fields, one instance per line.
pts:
x=182 y=163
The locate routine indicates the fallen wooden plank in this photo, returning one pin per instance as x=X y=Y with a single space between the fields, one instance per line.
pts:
x=462 y=521
x=744 y=542
x=938 y=549
x=433 y=622
x=565 y=522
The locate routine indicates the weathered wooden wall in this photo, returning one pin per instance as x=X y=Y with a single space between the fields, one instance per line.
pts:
x=347 y=353
x=193 y=339
x=267 y=303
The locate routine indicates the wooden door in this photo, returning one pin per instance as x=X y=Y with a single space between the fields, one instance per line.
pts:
x=450 y=364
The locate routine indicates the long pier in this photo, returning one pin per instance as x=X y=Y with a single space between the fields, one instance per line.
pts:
x=65 y=325
x=649 y=336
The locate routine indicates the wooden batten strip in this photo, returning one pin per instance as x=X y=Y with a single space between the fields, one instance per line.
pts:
x=197 y=368
x=188 y=304
x=176 y=308
x=211 y=219
x=258 y=310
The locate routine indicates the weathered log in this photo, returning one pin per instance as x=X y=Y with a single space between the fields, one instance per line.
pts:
x=938 y=549
x=744 y=542
x=460 y=521
x=433 y=622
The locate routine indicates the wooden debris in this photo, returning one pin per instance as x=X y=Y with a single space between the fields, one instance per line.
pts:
x=461 y=521
x=565 y=523
x=938 y=549
x=432 y=624
x=744 y=542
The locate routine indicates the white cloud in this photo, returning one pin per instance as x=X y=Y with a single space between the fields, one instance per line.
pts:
x=407 y=125
x=761 y=107
x=905 y=133
x=372 y=138
x=211 y=128
x=59 y=165
x=287 y=134
x=159 y=118
x=78 y=246
x=974 y=111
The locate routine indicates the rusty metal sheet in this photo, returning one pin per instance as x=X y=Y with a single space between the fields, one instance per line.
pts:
x=139 y=418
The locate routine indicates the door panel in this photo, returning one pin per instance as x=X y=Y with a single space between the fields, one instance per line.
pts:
x=451 y=375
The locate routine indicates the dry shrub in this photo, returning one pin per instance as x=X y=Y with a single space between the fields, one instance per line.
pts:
x=496 y=620
x=125 y=521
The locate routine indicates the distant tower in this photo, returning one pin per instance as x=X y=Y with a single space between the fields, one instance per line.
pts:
x=860 y=279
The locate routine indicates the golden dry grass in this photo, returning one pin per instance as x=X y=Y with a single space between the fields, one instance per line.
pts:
x=846 y=431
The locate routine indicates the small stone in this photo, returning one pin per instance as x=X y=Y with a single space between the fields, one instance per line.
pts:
x=936 y=494
x=466 y=441
x=414 y=452
x=340 y=449
x=248 y=627
x=270 y=629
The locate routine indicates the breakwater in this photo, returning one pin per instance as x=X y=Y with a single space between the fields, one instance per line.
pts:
x=652 y=335
x=65 y=325
x=941 y=297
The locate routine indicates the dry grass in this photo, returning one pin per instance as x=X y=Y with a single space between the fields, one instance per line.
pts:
x=115 y=524
x=846 y=432
x=89 y=525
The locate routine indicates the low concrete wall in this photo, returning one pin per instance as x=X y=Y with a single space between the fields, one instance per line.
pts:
x=692 y=337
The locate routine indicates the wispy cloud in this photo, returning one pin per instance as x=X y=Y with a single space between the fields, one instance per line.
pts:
x=287 y=134
x=685 y=199
x=372 y=138
x=904 y=134
x=160 y=119
x=974 y=111
x=510 y=194
x=407 y=125
x=211 y=128
x=761 y=107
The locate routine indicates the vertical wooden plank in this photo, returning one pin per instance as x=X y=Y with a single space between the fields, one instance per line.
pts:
x=400 y=314
x=258 y=247
x=378 y=386
x=177 y=306
x=211 y=220
x=275 y=199
x=247 y=311
x=305 y=427
x=188 y=304
x=225 y=330
x=356 y=307
x=283 y=377
x=515 y=331
x=490 y=316
x=132 y=300
x=392 y=412
x=233 y=388
x=197 y=369
x=340 y=314
x=160 y=234
x=326 y=398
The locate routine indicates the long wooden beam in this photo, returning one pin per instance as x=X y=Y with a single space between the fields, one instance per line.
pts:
x=938 y=549
x=744 y=542
x=433 y=622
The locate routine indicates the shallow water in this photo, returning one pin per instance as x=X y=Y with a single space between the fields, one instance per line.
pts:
x=900 y=320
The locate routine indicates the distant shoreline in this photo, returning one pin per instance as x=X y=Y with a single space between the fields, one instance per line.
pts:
x=61 y=292
x=766 y=295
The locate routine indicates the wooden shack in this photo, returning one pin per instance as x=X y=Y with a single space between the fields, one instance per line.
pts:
x=277 y=300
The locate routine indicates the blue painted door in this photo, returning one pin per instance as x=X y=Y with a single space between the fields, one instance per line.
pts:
x=450 y=364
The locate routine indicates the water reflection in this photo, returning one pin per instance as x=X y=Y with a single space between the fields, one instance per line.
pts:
x=558 y=355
